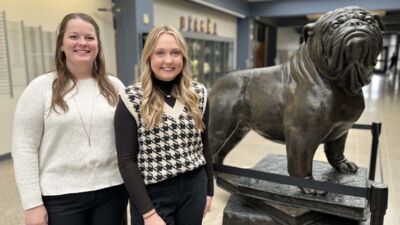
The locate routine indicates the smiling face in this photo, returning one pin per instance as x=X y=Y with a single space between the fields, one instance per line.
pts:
x=80 y=43
x=166 y=60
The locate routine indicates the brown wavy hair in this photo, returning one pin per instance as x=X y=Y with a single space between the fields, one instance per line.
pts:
x=153 y=99
x=60 y=84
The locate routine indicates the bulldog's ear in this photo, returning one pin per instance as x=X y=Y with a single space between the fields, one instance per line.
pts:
x=379 y=21
x=308 y=30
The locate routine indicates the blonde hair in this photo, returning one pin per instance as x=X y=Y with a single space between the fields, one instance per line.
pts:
x=60 y=84
x=153 y=100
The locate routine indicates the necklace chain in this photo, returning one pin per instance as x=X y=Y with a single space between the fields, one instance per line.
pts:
x=88 y=133
x=166 y=95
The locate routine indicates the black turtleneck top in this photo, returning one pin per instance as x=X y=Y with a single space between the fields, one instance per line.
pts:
x=165 y=88
x=128 y=149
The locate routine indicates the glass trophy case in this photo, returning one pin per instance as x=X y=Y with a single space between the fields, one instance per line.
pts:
x=210 y=56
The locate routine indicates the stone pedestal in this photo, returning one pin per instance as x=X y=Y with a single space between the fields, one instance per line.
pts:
x=238 y=212
x=284 y=204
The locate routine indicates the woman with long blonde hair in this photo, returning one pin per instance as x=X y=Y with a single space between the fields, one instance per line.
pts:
x=161 y=136
x=63 y=137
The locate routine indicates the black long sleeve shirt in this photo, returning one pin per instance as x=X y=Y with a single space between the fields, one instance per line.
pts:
x=128 y=149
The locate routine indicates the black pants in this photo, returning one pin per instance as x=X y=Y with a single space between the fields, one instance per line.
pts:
x=101 y=207
x=179 y=200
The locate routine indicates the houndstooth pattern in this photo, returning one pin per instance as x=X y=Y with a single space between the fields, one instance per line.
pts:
x=171 y=148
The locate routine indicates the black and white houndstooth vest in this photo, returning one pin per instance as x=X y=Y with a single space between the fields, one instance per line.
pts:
x=175 y=145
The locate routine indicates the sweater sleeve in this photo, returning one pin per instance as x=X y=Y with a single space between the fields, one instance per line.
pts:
x=127 y=152
x=207 y=154
x=26 y=138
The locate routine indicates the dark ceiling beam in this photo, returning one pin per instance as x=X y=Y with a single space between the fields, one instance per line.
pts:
x=285 y=21
x=391 y=19
x=305 y=7
x=293 y=22
x=392 y=27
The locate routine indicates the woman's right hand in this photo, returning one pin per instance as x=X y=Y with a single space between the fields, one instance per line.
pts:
x=36 y=216
x=153 y=219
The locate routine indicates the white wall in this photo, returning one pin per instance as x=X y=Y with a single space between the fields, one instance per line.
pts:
x=287 y=43
x=48 y=14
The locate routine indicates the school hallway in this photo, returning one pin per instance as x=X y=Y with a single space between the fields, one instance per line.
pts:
x=382 y=105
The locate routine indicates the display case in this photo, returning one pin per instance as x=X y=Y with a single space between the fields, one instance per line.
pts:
x=210 y=56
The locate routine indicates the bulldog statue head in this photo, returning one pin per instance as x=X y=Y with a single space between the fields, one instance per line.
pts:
x=344 y=45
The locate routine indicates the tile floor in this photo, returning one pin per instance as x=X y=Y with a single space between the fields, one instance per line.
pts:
x=382 y=105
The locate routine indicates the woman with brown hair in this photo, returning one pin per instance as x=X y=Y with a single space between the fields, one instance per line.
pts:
x=161 y=137
x=63 y=138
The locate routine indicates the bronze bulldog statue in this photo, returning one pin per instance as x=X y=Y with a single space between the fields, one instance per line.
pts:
x=312 y=99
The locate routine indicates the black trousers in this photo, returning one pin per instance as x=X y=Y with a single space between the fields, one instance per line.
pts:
x=179 y=200
x=101 y=207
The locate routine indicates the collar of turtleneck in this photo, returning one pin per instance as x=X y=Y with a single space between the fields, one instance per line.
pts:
x=166 y=88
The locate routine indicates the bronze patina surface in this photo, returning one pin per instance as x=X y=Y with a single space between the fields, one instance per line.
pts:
x=314 y=98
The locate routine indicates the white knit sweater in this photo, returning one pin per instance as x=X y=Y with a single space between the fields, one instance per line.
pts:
x=51 y=152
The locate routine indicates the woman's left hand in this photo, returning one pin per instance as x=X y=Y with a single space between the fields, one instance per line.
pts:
x=208 y=205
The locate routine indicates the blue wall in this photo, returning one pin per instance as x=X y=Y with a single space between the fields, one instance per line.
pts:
x=243 y=45
x=129 y=28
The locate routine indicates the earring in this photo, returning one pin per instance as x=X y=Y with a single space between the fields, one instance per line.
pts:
x=62 y=48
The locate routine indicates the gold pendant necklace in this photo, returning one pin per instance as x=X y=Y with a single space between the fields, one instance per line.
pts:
x=88 y=133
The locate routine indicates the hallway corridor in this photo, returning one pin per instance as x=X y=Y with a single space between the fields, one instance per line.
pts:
x=382 y=105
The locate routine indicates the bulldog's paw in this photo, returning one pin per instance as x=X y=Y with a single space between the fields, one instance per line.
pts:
x=346 y=167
